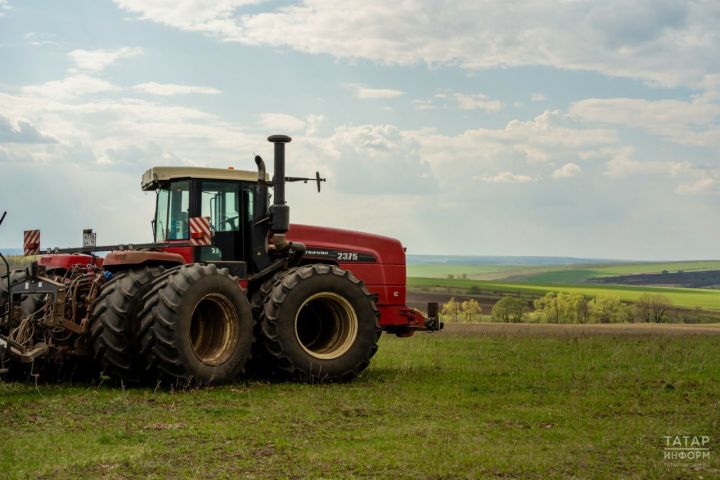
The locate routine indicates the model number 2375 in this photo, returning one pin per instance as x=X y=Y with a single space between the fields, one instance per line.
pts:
x=347 y=256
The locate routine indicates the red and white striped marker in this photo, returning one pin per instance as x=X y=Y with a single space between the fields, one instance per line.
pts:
x=31 y=242
x=200 y=233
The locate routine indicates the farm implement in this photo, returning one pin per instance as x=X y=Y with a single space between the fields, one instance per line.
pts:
x=227 y=285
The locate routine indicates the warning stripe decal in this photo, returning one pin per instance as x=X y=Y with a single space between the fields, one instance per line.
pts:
x=31 y=242
x=200 y=233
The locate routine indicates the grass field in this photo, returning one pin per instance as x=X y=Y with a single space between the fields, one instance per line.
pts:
x=466 y=403
x=471 y=271
x=555 y=273
x=681 y=297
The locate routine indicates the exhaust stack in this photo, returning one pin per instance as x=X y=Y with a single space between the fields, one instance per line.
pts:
x=279 y=211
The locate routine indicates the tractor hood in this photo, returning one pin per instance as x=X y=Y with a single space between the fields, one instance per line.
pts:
x=347 y=246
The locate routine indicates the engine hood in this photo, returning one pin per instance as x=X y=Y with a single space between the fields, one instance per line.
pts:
x=336 y=243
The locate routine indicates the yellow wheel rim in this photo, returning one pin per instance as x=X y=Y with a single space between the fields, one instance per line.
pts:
x=326 y=325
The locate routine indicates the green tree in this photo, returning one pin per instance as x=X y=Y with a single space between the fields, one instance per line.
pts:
x=470 y=309
x=509 y=309
x=450 y=310
x=562 y=307
x=608 y=309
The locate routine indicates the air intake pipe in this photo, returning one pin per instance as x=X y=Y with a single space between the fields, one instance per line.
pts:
x=261 y=191
x=279 y=211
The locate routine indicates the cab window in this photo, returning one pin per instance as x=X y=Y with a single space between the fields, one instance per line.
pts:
x=221 y=202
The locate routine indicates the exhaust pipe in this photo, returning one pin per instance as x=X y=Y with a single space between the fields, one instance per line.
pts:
x=279 y=211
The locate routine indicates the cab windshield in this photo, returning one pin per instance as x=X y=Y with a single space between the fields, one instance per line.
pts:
x=171 y=214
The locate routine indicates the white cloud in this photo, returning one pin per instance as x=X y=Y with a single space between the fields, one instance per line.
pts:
x=212 y=17
x=372 y=159
x=4 y=6
x=692 y=122
x=505 y=177
x=361 y=91
x=476 y=101
x=533 y=147
x=568 y=170
x=97 y=60
x=169 y=89
x=538 y=97
x=703 y=185
x=613 y=37
x=623 y=164
x=281 y=122
x=70 y=87
x=464 y=101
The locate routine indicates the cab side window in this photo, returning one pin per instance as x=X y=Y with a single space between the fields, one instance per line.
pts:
x=179 y=205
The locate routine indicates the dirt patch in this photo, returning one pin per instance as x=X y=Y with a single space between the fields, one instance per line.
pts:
x=553 y=330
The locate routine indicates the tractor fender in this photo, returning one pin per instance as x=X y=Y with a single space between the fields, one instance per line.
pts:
x=122 y=260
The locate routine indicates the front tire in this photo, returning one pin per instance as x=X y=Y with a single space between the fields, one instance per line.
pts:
x=197 y=326
x=114 y=323
x=320 y=324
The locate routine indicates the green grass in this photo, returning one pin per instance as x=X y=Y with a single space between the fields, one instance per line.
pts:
x=472 y=271
x=681 y=297
x=430 y=407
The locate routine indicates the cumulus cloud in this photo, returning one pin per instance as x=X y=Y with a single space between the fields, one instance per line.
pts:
x=623 y=164
x=363 y=92
x=21 y=131
x=566 y=171
x=505 y=177
x=97 y=60
x=70 y=87
x=692 y=122
x=4 y=7
x=281 y=122
x=169 y=89
x=538 y=97
x=703 y=185
x=614 y=37
x=371 y=159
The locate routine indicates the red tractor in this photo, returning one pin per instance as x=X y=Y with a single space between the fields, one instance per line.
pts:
x=227 y=283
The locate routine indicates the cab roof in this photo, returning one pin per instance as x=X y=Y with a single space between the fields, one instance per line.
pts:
x=153 y=178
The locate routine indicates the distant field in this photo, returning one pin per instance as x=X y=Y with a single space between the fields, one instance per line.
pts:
x=555 y=273
x=583 y=274
x=490 y=402
x=681 y=297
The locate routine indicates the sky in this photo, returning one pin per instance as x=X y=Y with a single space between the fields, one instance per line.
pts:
x=559 y=128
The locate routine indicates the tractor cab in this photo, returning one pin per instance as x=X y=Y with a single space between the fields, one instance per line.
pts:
x=224 y=196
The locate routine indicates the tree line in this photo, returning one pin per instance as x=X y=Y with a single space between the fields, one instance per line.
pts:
x=565 y=307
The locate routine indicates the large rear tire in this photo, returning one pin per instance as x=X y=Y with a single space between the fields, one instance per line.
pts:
x=320 y=324
x=115 y=323
x=196 y=326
